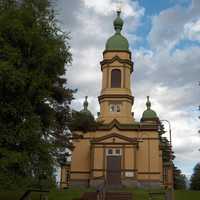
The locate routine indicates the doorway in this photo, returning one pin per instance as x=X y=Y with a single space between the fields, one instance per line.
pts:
x=113 y=169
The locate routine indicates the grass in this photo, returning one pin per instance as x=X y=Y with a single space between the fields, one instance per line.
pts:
x=187 y=195
x=69 y=194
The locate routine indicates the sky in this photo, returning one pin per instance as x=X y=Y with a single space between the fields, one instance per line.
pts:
x=164 y=38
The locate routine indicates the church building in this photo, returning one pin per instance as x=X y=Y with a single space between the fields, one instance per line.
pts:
x=122 y=151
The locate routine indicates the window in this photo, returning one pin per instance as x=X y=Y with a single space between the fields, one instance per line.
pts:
x=117 y=151
x=114 y=107
x=110 y=151
x=117 y=108
x=115 y=78
x=113 y=152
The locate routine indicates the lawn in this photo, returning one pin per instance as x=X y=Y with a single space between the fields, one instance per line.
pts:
x=69 y=194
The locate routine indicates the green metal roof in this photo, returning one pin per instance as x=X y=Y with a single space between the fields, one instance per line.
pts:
x=85 y=108
x=149 y=114
x=117 y=41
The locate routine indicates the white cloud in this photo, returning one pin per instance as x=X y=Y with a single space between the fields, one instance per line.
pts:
x=106 y=7
x=192 y=30
x=167 y=27
x=171 y=25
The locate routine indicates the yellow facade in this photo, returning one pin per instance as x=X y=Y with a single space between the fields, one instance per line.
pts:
x=121 y=151
x=141 y=161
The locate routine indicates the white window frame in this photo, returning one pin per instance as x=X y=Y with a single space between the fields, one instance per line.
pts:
x=114 y=152
x=116 y=107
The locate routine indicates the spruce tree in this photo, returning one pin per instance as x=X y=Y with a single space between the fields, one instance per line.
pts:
x=195 y=179
x=34 y=100
x=179 y=179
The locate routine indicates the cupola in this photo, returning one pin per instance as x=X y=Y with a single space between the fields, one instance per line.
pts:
x=149 y=114
x=117 y=42
x=85 y=108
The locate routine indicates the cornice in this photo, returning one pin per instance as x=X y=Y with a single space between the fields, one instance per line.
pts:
x=101 y=97
x=123 y=61
x=134 y=126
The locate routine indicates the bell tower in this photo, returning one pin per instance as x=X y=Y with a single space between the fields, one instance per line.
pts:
x=116 y=99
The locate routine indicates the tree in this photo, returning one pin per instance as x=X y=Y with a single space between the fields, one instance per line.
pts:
x=165 y=144
x=199 y=116
x=34 y=100
x=83 y=121
x=195 y=179
x=179 y=179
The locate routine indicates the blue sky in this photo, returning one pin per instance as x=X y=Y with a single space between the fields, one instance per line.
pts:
x=164 y=37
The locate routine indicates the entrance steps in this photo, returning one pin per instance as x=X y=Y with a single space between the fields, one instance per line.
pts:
x=108 y=196
x=118 y=196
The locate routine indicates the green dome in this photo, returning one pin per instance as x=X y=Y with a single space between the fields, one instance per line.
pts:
x=85 y=108
x=149 y=114
x=117 y=41
x=118 y=22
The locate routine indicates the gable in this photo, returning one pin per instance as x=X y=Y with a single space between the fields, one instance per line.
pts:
x=114 y=138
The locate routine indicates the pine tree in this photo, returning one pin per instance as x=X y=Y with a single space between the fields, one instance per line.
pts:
x=165 y=144
x=179 y=179
x=195 y=179
x=34 y=103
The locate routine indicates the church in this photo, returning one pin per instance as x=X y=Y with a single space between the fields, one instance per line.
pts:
x=122 y=151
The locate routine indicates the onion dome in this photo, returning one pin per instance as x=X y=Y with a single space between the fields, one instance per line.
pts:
x=85 y=108
x=117 y=41
x=149 y=114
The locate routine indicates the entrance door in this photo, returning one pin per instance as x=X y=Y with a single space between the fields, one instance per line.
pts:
x=114 y=170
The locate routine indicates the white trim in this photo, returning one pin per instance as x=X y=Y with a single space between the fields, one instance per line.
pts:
x=114 y=152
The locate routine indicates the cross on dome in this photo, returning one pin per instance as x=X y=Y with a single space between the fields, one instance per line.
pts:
x=85 y=104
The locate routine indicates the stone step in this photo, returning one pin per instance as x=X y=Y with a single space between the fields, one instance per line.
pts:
x=89 y=196
x=108 y=196
x=118 y=196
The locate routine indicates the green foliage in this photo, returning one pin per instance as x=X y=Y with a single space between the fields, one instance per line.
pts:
x=179 y=179
x=34 y=104
x=83 y=121
x=195 y=179
x=165 y=144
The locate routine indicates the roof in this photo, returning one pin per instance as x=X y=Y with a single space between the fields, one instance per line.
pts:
x=149 y=114
x=117 y=41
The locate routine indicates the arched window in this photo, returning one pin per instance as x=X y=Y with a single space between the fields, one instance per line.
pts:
x=116 y=78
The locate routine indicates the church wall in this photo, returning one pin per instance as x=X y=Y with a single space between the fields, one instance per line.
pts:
x=130 y=159
x=105 y=78
x=149 y=160
x=98 y=162
x=110 y=55
x=127 y=74
x=80 y=165
x=142 y=155
x=154 y=155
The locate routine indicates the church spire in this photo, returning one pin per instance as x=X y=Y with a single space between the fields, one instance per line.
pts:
x=85 y=104
x=148 y=103
x=118 y=22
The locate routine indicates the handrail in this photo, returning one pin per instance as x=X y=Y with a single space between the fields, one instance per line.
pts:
x=28 y=193
x=101 y=191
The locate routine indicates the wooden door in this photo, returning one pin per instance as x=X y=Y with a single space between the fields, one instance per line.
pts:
x=114 y=170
